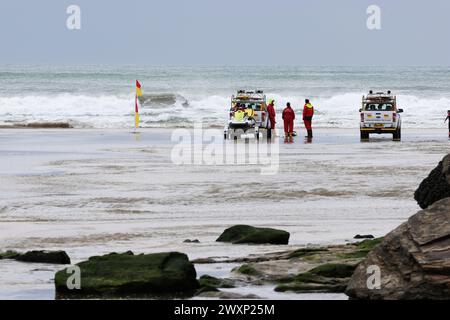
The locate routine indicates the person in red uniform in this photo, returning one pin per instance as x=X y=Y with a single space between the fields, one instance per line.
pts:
x=272 y=115
x=308 y=113
x=288 y=117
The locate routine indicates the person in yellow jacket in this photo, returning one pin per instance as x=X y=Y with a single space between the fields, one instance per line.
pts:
x=239 y=115
x=308 y=113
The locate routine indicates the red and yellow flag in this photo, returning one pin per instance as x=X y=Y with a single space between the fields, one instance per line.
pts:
x=138 y=89
x=136 y=111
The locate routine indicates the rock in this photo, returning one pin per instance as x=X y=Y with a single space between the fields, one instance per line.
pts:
x=212 y=284
x=334 y=270
x=55 y=257
x=228 y=295
x=45 y=125
x=191 y=241
x=247 y=269
x=283 y=266
x=313 y=287
x=304 y=252
x=206 y=288
x=204 y=261
x=247 y=234
x=125 y=275
x=436 y=186
x=208 y=281
x=9 y=255
x=330 y=277
x=365 y=236
x=305 y=269
x=51 y=257
x=368 y=244
x=414 y=259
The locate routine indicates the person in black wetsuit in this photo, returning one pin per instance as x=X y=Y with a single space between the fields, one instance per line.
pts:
x=448 y=118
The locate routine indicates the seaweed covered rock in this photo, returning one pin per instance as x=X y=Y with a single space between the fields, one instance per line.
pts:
x=436 y=186
x=331 y=277
x=51 y=257
x=209 y=281
x=9 y=254
x=126 y=275
x=241 y=234
x=212 y=284
x=414 y=259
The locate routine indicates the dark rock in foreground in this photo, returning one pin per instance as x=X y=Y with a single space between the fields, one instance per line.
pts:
x=414 y=259
x=128 y=275
x=436 y=186
x=241 y=234
x=51 y=257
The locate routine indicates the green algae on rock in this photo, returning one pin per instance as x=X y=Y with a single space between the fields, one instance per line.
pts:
x=125 y=275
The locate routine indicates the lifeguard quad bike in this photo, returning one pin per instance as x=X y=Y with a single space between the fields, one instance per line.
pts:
x=248 y=115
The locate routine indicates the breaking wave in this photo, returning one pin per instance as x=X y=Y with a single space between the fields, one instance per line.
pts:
x=181 y=110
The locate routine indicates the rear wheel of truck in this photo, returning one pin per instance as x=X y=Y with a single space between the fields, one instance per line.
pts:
x=397 y=136
x=364 y=136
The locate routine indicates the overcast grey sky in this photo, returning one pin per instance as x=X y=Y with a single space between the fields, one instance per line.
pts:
x=226 y=32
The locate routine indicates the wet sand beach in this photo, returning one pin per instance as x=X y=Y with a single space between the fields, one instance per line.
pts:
x=96 y=191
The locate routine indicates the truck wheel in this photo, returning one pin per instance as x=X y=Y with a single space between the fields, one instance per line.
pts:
x=364 y=136
x=225 y=136
x=397 y=136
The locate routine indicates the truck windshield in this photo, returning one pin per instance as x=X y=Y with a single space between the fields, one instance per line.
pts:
x=246 y=105
x=379 y=107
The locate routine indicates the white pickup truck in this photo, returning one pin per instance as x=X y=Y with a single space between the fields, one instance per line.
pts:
x=379 y=114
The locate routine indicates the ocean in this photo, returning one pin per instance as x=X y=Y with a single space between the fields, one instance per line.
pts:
x=102 y=96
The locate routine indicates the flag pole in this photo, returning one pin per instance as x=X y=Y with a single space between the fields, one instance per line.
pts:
x=136 y=121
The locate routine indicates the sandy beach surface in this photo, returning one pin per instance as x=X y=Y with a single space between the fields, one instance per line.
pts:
x=91 y=192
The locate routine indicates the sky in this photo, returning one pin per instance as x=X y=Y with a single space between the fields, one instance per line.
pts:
x=226 y=32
